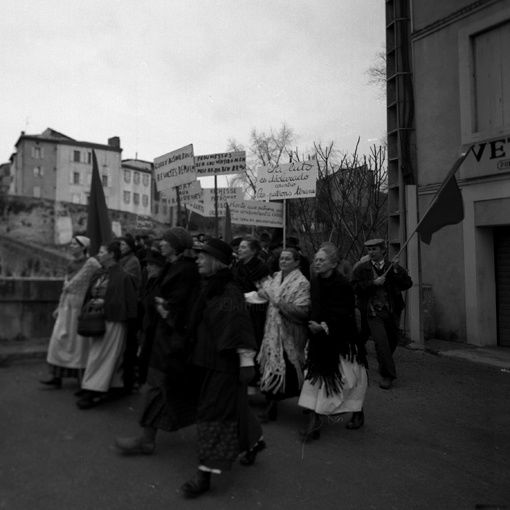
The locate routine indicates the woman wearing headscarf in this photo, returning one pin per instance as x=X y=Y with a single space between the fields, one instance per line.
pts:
x=281 y=357
x=67 y=351
x=223 y=356
x=112 y=290
x=170 y=401
x=336 y=377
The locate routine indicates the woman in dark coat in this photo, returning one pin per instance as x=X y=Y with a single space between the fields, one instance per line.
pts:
x=249 y=271
x=336 y=378
x=171 y=397
x=223 y=356
x=154 y=262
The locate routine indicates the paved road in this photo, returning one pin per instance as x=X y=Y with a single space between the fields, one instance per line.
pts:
x=439 y=440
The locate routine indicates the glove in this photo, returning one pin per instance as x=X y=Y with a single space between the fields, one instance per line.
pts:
x=246 y=374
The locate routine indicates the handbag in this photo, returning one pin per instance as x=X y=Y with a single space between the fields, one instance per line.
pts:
x=91 y=321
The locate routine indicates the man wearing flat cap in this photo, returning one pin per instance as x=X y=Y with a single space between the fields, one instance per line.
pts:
x=378 y=283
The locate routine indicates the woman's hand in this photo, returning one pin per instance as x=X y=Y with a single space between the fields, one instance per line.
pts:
x=163 y=312
x=161 y=307
x=98 y=301
x=55 y=313
x=315 y=327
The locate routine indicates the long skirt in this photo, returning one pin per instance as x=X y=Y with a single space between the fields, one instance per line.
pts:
x=225 y=424
x=171 y=398
x=349 y=399
x=104 y=363
x=67 y=349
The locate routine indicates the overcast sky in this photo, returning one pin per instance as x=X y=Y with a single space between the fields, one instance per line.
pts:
x=161 y=74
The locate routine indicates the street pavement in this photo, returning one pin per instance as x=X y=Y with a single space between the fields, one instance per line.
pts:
x=440 y=439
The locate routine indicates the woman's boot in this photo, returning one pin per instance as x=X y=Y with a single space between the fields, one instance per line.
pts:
x=54 y=382
x=143 y=444
x=357 y=420
x=197 y=486
x=313 y=428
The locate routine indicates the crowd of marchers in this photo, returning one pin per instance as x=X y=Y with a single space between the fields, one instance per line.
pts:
x=200 y=325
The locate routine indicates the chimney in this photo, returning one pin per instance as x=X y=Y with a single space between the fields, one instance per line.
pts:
x=114 y=141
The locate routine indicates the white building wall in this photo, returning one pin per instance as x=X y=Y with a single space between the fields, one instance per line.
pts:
x=459 y=263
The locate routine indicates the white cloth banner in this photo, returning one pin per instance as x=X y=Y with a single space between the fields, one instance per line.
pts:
x=175 y=168
x=290 y=180
x=253 y=212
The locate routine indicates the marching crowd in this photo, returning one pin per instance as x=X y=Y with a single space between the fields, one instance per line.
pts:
x=202 y=325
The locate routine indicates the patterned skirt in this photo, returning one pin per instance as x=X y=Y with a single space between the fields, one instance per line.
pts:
x=226 y=426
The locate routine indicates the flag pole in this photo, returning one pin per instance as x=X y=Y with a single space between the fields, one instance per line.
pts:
x=284 y=223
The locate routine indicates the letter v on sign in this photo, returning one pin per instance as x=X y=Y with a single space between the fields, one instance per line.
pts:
x=478 y=154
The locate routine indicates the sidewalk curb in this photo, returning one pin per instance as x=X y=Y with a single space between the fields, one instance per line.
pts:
x=24 y=352
x=473 y=356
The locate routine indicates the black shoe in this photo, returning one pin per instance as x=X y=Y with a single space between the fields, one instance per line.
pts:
x=249 y=457
x=91 y=400
x=55 y=382
x=357 y=420
x=386 y=383
x=196 y=486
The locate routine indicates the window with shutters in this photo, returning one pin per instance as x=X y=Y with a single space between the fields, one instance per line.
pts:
x=484 y=77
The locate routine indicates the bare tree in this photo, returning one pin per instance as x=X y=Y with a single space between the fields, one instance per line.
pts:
x=377 y=71
x=266 y=149
x=350 y=205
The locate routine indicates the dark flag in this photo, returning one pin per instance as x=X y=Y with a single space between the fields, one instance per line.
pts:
x=227 y=229
x=446 y=208
x=99 y=227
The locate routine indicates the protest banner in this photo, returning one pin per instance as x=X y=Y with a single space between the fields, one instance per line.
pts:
x=206 y=205
x=144 y=223
x=221 y=163
x=188 y=193
x=196 y=207
x=175 y=168
x=255 y=213
x=287 y=181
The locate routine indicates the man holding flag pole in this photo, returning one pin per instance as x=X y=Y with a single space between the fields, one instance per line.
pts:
x=379 y=283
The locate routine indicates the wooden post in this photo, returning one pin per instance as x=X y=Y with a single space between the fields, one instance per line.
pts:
x=216 y=219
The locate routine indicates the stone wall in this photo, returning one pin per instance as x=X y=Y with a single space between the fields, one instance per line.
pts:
x=23 y=259
x=26 y=307
x=33 y=220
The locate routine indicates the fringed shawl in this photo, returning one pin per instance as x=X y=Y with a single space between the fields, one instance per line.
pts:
x=285 y=329
x=333 y=304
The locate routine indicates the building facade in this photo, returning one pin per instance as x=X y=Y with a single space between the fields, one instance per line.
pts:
x=54 y=166
x=136 y=186
x=448 y=93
